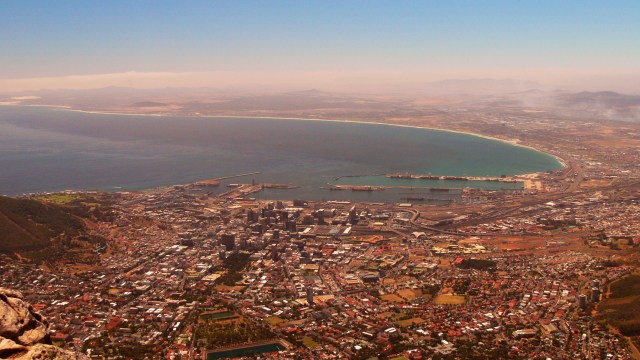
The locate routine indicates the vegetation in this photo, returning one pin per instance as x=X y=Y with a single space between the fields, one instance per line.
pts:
x=409 y=322
x=450 y=300
x=478 y=264
x=219 y=334
x=431 y=289
x=309 y=342
x=471 y=350
x=30 y=225
x=274 y=320
x=636 y=341
x=392 y=298
x=129 y=350
x=627 y=286
x=610 y=263
x=52 y=229
x=622 y=309
x=461 y=286
x=59 y=198
x=234 y=264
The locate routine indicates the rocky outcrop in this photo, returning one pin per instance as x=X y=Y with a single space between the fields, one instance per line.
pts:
x=24 y=333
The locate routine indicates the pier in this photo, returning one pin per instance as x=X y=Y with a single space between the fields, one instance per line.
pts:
x=431 y=190
x=336 y=178
x=217 y=181
x=505 y=179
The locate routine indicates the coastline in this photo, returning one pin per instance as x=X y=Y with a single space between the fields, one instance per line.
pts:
x=513 y=142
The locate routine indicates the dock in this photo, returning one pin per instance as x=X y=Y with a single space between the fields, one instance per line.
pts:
x=217 y=181
x=431 y=190
x=505 y=179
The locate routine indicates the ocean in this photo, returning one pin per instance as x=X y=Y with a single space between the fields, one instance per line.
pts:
x=46 y=149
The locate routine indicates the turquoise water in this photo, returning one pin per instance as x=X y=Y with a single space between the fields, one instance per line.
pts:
x=259 y=349
x=48 y=149
x=455 y=184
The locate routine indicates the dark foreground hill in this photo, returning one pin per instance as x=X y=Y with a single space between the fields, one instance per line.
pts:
x=27 y=224
x=53 y=229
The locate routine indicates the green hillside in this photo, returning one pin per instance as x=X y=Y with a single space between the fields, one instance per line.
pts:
x=30 y=225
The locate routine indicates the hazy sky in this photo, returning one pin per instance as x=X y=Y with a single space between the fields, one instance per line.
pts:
x=72 y=44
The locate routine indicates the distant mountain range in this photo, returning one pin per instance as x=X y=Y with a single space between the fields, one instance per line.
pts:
x=480 y=86
x=605 y=105
x=602 y=98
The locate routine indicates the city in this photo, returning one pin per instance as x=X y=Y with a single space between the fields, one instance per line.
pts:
x=285 y=179
x=188 y=274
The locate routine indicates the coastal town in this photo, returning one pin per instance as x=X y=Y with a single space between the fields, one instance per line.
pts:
x=190 y=275
x=544 y=266
x=311 y=180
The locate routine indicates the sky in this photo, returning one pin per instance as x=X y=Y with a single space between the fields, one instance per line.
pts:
x=594 y=45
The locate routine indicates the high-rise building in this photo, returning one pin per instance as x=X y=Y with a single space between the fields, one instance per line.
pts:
x=250 y=216
x=353 y=216
x=291 y=226
x=310 y=294
x=582 y=301
x=228 y=240
x=300 y=203
x=307 y=220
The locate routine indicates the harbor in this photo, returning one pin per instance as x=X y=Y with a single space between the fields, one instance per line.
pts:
x=407 y=188
x=217 y=181
x=504 y=178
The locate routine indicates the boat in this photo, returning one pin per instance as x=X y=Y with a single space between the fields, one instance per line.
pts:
x=362 y=188
x=439 y=189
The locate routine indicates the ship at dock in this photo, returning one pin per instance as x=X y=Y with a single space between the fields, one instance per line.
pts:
x=279 y=186
x=363 y=188
x=355 y=187
x=425 y=177
x=440 y=190
x=414 y=198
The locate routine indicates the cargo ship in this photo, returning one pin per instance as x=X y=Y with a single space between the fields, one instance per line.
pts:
x=280 y=186
x=439 y=189
x=411 y=198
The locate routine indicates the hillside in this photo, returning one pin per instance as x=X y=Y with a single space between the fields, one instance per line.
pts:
x=53 y=229
x=30 y=225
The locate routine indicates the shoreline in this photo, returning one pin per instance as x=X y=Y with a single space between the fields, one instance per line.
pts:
x=513 y=142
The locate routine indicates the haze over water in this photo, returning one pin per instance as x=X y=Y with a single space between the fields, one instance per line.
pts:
x=46 y=149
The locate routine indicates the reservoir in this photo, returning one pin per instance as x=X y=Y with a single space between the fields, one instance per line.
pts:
x=248 y=350
x=52 y=149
